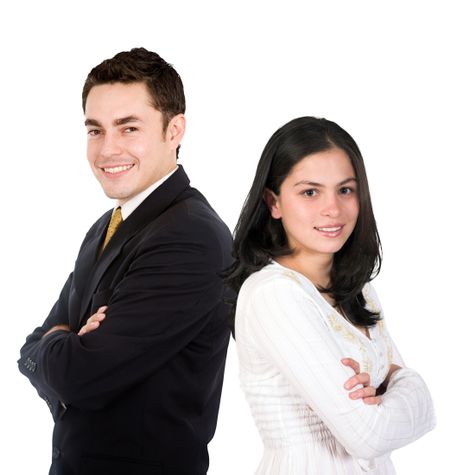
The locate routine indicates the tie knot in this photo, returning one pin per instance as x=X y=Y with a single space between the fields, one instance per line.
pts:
x=115 y=221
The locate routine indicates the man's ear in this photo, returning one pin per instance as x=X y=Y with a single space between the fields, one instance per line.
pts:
x=272 y=203
x=175 y=131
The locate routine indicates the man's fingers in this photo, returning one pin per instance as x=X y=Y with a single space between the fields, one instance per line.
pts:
x=88 y=327
x=352 y=364
x=93 y=322
x=97 y=317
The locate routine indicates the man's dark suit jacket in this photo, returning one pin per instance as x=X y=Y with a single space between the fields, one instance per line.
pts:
x=139 y=395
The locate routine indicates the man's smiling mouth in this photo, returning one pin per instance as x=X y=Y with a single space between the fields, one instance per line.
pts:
x=118 y=169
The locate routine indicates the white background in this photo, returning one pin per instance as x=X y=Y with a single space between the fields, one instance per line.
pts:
x=379 y=69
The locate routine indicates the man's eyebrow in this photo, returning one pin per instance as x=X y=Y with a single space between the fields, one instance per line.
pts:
x=126 y=120
x=121 y=121
x=319 y=185
x=91 y=122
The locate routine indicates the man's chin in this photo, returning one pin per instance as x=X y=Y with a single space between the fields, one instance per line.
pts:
x=121 y=197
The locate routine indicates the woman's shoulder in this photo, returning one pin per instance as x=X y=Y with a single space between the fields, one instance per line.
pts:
x=371 y=298
x=277 y=299
x=276 y=279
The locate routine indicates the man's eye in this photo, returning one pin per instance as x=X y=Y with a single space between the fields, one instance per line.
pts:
x=130 y=129
x=93 y=132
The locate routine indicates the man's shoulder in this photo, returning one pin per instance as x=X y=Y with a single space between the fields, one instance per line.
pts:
x=192 y=212
x=187 y=229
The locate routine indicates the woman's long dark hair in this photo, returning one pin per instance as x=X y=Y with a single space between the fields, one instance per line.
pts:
x=260 y=238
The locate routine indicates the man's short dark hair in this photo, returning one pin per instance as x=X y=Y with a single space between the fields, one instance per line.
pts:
x=139 y=65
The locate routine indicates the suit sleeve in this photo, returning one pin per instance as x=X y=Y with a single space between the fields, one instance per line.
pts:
x=163 y=301
x=286 y=326
x=29 y=351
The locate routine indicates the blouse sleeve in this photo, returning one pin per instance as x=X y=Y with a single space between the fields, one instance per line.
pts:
x=286 y=325
x=374 y=303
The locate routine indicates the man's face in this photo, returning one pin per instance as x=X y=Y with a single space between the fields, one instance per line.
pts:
x=127 y=148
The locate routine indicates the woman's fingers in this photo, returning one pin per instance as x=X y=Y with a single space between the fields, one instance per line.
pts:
x=372 y=400
x=352 y=364
x=362 y=378
x=367 y=392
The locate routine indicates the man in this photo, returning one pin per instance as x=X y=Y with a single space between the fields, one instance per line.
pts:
x=131 y=358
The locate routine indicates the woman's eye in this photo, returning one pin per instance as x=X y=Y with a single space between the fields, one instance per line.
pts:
x=309 y=193
x=346 y=190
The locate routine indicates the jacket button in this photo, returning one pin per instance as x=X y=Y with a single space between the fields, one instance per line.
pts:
x=56 y=453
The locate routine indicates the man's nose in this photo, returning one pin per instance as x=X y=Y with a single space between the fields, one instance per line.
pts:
x=111 y=145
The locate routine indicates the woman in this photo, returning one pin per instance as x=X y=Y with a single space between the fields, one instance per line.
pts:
x=307 y=320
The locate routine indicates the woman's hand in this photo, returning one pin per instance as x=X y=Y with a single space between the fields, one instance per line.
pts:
x=367 y=393
x=93 y=322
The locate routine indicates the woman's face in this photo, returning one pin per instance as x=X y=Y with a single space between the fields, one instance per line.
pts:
x=318 y=203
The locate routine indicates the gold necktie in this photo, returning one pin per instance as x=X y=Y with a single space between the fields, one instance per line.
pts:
x=114 y=223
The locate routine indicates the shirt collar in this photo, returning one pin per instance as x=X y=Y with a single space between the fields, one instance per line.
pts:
x=129 y=206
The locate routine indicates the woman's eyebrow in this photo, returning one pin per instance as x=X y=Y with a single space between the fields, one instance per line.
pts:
x=313 y=183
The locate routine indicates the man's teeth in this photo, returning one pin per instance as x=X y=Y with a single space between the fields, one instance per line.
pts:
x=122 y=168
x=330 y=230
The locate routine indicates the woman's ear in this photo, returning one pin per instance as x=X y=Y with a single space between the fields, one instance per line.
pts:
x=272 y=203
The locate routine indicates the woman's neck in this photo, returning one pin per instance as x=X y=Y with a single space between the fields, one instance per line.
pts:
x=316 y=267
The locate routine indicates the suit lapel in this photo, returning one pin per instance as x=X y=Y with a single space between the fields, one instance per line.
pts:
x=87 y=258
x=154 y=205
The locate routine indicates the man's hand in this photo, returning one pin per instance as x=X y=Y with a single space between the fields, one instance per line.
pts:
x=62 y=326
x=93 y=322
x=367 y=393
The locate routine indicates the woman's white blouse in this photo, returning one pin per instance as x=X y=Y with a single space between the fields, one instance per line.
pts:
x=290 y=344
